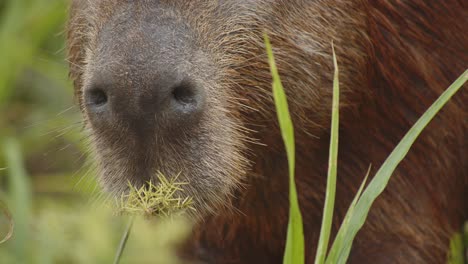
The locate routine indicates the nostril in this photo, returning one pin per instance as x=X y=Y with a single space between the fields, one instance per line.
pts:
x=96 y=97
x=188 y=100
x=184 y=94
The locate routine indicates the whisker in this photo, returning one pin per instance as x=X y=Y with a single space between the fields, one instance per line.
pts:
x=66 y=110
x=61 y=129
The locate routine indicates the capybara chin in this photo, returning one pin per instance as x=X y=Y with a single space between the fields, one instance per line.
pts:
x=183 y=86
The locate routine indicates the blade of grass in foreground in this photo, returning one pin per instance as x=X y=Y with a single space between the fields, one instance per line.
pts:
x=123 y=241
x=327 y=218
x=294 y=252
x=456 y=250
x=380 y=180
x=332 y=257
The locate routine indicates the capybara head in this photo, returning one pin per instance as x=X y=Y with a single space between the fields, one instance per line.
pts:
x=183 y=86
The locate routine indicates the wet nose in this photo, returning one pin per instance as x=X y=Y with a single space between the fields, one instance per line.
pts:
x=169 y=100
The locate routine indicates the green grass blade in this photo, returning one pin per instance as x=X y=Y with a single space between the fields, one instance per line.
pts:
x=333 y=256
x=456 y=250
x=380 y=180
x=294 y=252
x=327 y=218
x=123 y=241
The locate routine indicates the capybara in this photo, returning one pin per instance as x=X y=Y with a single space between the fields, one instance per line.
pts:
x=184 y=87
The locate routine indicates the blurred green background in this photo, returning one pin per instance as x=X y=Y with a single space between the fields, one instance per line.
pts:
x=44 y=181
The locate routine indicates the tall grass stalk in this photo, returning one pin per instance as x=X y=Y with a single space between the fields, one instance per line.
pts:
x=123 y=241
x=294 y=253
x=327 y=218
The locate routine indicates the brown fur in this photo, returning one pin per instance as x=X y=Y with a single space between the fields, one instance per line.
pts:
x=395 y=58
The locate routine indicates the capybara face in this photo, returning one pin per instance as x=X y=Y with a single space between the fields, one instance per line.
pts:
x=183 y=87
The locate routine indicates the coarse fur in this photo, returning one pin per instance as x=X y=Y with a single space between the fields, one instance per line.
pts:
x=395 y=58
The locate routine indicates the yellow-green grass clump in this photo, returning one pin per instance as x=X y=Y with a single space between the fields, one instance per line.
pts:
x=162 y=199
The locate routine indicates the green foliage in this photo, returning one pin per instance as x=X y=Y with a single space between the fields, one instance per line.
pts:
x=456 y=250
x=52 y=200
x=361 y=204
x=33 y=87
x=459 y=247
x=59 y=232
x=19 y=198
x=294 y=252
x=81 y=234
x=25 y=26
x=357 y=215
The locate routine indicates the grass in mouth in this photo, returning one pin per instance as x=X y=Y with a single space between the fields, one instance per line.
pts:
x=162 y=199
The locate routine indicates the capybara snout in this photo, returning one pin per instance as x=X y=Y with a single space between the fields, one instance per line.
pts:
x=144 y=75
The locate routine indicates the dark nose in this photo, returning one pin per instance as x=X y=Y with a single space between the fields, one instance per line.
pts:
x=168 y=101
